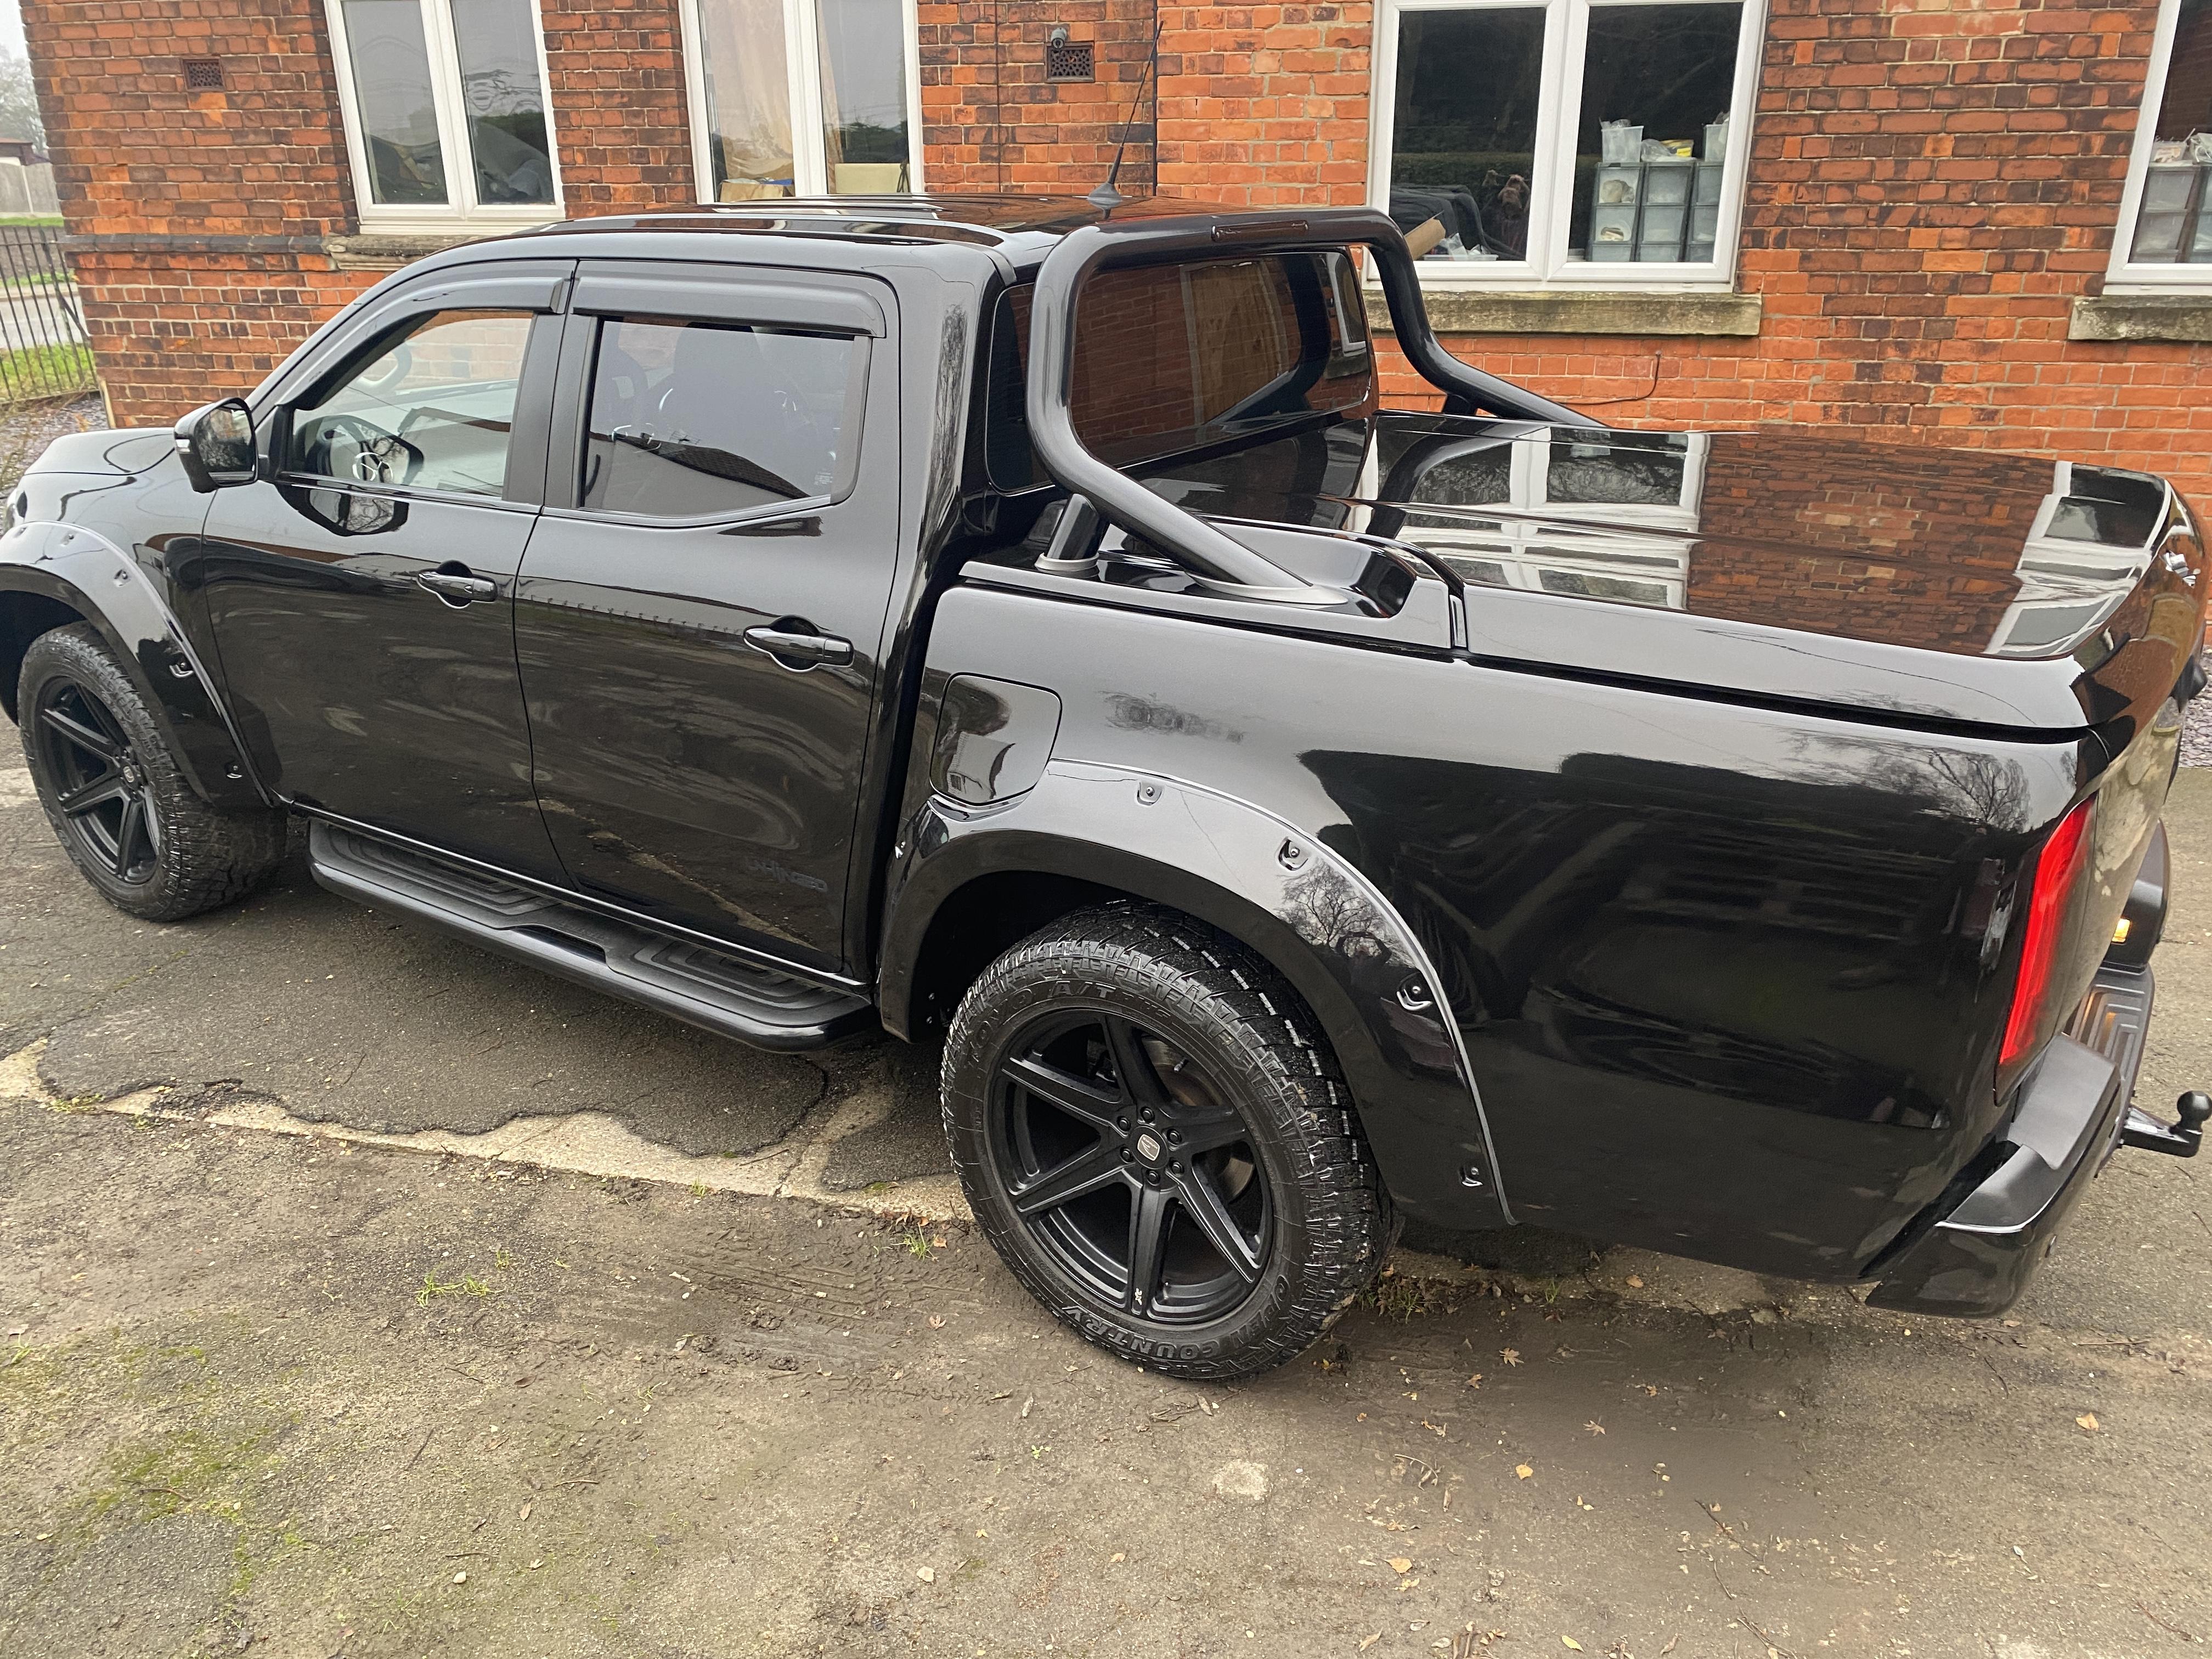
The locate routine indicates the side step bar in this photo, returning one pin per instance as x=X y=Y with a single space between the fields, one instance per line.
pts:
x=686 y=981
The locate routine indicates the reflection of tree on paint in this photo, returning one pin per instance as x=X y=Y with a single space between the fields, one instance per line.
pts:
x=1330 y=913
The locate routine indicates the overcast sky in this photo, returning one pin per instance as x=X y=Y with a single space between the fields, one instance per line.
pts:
x=11 y=30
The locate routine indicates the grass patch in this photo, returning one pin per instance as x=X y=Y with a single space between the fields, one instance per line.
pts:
x=467 y=1284
x=46 y=371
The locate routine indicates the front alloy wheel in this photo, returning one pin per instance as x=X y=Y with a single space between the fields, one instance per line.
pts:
x=100 y=790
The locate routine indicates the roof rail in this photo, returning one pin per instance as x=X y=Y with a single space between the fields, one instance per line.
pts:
x=1208 y=553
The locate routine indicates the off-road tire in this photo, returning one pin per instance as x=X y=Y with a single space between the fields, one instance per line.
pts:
x=1332 y=1223
x=205 y=858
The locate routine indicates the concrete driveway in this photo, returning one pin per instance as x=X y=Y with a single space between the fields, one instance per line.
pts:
x=366 y=1296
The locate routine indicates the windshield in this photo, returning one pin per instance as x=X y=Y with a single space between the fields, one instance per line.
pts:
x=1176 y=357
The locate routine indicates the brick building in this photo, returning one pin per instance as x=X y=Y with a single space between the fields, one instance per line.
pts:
x=1990 y=219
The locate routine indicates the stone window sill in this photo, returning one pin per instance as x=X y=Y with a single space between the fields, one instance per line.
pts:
x=1575 y=311
x=2130 y=317
x=372 y=251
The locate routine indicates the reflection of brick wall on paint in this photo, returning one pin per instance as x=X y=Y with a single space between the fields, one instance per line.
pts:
x=1929 y=555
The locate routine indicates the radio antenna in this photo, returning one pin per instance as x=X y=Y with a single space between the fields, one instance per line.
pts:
x=1106 y=196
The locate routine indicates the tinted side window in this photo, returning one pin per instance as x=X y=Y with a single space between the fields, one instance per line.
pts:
x=433 y=407
x=690 y=419
x=1172 y=357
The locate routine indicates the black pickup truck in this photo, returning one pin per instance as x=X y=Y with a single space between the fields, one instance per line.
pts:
x=1023 y=625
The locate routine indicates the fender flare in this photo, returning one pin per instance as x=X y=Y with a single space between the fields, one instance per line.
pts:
x=1278 y=889
x=70 y=564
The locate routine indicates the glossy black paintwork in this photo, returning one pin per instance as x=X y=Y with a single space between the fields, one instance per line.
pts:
x=1715 y=892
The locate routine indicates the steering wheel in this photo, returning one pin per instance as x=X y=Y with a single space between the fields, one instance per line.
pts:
x=379 y=457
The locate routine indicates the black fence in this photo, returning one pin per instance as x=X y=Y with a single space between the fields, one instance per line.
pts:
x=43 y=349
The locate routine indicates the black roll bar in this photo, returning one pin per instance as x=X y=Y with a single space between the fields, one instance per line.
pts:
x=1214 y=557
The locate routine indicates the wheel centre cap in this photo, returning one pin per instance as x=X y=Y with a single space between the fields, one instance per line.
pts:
x=1148 y=1147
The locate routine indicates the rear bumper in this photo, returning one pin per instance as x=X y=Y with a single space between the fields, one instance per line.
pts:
x=1978 y=1257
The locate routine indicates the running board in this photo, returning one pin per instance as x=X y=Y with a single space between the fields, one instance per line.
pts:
x=686 y=981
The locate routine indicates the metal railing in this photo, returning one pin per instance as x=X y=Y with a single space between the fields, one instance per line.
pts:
x=44 y=351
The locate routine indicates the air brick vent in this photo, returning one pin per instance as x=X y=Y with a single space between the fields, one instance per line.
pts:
x=203 y=73
x=1068 y=60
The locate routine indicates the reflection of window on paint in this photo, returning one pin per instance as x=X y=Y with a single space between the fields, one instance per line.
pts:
x=2092 y=540
x=801 y=98
x=1619 y=516
x=2170 y=221
x=446 y=106
x=1625 y=153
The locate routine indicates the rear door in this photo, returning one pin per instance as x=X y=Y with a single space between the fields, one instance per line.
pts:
x=701 y=620
x=361 y=592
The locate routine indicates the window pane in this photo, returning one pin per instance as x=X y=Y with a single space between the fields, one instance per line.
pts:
x=505 y=100
x=392 y=84
x=2174 y=225
x=1657 y=85
x=433 y=408
x=1171 y=357
x=747 y=98
x=689 y=418
x=1464 y=143
x=864 y=96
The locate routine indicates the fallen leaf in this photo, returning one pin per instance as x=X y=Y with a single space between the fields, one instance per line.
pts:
x=1400 y=1564
x=1117 y=1556
x=1522 y=1470
x=937 y=1321
x=927 y=1575
x=2088 y=1421
x=460 y=1579
x=539 y=1563
x=1635 y=1283
x=1594 y=1426
x=1571 y=1642
x=1510 y=1355
x=1371 y=1641
x=1669 y=1648
x=1474 y=1382
x=1027 y=1403
x=523 y=1514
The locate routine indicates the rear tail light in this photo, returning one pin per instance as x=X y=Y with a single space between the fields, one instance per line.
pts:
x=2058 y=870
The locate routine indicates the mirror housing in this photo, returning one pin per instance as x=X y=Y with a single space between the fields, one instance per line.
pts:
x=216 y=444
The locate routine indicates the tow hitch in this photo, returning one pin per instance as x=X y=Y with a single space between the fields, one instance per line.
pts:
x=2180 y=1139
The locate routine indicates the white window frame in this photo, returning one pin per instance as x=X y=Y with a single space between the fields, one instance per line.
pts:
x=1559 y=118
x=460 y=209
x=2124 y=275
x=802 y=39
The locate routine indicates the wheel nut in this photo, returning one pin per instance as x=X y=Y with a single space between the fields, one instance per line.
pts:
x=1174 y=1137
x=1128 y=1156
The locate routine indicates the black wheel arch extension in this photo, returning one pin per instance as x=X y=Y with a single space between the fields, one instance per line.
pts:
x=966 y=886
x=138 y=627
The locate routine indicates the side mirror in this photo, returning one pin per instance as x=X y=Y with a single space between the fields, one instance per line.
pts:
x=216 y=444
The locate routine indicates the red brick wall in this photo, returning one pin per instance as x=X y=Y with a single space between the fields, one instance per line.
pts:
x=200 y=217
x=991 y=120
x=1931 y=186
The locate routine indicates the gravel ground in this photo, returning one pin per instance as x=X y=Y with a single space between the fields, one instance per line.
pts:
x=2196 y=735
x=27 y=428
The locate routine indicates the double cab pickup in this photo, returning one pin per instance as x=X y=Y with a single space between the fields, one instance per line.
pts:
x=1025 y=626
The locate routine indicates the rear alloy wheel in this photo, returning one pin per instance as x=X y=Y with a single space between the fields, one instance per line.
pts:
x=1155 y=1138
x=118 y=803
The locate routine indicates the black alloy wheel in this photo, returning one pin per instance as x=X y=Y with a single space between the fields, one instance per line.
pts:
x=101 y=791
x=1153 y=1133
x=120 y=805
x=1130 y=1169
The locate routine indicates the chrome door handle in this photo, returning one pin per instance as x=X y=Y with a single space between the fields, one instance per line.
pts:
x=456 y=587
x=800 y=651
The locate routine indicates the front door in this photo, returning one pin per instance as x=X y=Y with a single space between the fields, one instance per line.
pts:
x=700 y=620
x=361 y=593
